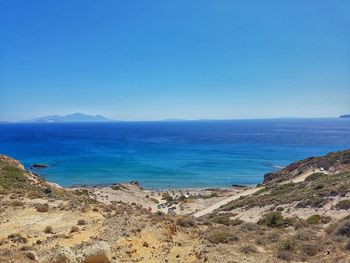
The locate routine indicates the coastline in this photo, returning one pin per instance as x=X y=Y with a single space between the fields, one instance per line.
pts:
x=182 y=201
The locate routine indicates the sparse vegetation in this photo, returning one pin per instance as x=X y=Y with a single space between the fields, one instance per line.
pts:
x=310 y=249
x=306 y=194
x=314 y=219
x=119 y=187
x=225 y=219
x=273 y=219
x=288 y=244
x=167 y=197
x=186 y=222
x=218 y=237
x=248 y=249
x=313 y=177
x=219 y=234
x=343 y=204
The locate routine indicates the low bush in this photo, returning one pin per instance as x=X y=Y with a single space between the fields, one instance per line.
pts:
x=118 y=187
x=42 y=208
x=310 y=249
x=273 y=219
x=48 y=230
x=186 y=222
x=225 y=219
x=343 y=205
x=248 y=227
x=222 y=237
x=167 y=197
x=248 y=249
x=314 y=219
x=288 y=244
x=313 y=177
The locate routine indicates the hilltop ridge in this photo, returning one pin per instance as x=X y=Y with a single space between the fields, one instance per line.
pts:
x=332 y=162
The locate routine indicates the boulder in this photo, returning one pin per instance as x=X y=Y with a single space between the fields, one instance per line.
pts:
x=99 y=252
x=64 y=255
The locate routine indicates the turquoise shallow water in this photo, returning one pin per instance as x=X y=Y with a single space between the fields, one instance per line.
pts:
x=171 y=154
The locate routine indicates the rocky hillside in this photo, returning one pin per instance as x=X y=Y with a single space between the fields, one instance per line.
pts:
x=332 y=163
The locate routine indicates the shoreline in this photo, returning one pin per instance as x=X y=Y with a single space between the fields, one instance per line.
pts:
x=181 y=201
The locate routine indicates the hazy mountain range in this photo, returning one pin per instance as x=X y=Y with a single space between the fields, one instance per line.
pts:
x=75 y=117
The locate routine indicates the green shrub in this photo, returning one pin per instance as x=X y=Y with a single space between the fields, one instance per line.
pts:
x=313 y=177
x=225 y=219
x=343 y=205
x=273 y=219
x=314 y=219
x=167 y=197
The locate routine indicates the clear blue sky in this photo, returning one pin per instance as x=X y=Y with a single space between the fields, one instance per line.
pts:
x=148 y=60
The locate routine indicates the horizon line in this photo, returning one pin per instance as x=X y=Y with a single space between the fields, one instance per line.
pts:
x=175 y=120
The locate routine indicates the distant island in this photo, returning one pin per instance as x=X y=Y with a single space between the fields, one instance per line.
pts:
x=75 y=117
x=345 y=116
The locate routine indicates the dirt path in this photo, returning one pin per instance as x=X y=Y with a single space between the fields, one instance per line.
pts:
x=227 y=200
x=298 y=179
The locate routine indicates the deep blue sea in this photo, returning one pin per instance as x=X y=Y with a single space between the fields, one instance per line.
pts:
x=170 y=154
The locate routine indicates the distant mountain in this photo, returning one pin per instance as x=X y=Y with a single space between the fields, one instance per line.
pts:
x=344 y=116
x=75 y=117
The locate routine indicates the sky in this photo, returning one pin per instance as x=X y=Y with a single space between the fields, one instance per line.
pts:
x=184 y=59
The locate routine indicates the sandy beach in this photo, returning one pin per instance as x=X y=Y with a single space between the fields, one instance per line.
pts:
x=179 y=201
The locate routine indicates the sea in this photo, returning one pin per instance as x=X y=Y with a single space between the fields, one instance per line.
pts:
x=170 y=154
